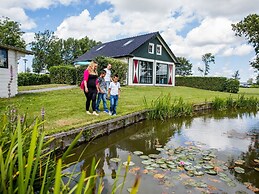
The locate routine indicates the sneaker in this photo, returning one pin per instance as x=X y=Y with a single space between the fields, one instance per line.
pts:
x=98 y=111
x=95 y=113
x=106 y=111
x=114 y=115
x=110 y=113
x=87 y=112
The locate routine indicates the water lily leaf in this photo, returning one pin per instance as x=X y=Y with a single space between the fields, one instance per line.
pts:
x=160 y=161
x=231 y=184
x=256 y=160
x=211 y=172
x=222 y=174
x=173 y=166
x=164 y=166
x=198 y=173
x=145 y=157
x=130 y=163
x=170 y=162
x=239 y=162
x=115 y=159
x=226 y=179
x=155 y=156
x=239 y=170
x=138 y=153
x=149 y=168
x=146 y=162
x=207 y=158
x=201 y=185
x=159 y=149
x=155 y=165
x=189 y=168
x=207 y=166
x=198 y=167
x=257 y=169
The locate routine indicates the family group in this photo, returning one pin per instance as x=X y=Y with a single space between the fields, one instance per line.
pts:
x=97 y=89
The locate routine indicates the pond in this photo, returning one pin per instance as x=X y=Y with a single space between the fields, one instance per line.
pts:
x=212 y=153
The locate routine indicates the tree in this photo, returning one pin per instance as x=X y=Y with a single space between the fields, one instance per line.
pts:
x=236 y=75
x=11 y=34
x=249 y=28
x=250 y=81
x=206 y=59
x=46 y=50
x=184 y=67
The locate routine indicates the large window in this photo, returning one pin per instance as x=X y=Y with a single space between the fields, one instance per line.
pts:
x=145 y=72
x=158 y=49
x=3 y=58
x=161 y=73
x=151 y=48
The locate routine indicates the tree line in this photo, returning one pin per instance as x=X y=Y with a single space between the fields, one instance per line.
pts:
x=50 y=50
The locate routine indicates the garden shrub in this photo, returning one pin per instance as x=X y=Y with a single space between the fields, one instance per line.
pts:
x=118 y=67
x=232 y=86
x=63 y=75
x=27 y=79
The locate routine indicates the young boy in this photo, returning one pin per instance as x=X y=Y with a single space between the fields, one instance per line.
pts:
x=102 y=92
x=114 y=93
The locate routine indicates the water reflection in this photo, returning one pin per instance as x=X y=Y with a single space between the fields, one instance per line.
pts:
x=234 y=135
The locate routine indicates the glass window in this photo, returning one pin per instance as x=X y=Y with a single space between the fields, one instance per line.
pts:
x=3 y=58
x=158 y=49
x=151 y=48
x=161 y=73
x=145 y=72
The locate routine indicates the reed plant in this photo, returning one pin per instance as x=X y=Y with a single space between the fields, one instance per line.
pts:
x=165 y=107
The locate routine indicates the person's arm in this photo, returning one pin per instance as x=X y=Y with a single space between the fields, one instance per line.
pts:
x=109 y=90
x=119 y=90
x=86 y=76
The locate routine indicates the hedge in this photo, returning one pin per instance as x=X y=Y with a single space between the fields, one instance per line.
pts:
x=27 y=79
x=221 y=84
x=63 y=75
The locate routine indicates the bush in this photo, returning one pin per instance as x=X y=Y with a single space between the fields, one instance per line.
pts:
x=63 y=75
x=232 y=86
x=206 y=83
x=118 y=67
x=27 y=79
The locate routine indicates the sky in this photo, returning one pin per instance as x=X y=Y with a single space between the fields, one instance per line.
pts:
x=191 y=28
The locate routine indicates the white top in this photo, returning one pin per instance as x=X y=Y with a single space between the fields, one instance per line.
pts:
x=115 y=88
x=107 y=77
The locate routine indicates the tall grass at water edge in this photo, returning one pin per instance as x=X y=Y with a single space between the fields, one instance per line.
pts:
x=242 y=102
x=165 y=107
x=27 y=165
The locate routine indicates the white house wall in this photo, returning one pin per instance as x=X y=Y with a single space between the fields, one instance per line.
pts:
x=5 y=75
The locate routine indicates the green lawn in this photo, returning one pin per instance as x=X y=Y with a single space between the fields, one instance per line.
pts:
x=37 y=87
x=65 y=109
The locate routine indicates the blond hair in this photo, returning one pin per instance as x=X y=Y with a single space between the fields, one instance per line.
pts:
x=91 y=69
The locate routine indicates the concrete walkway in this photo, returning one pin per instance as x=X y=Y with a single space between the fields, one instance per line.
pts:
x=47 y=89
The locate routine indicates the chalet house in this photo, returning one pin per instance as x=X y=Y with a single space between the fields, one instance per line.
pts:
x=150 y=60
x=9 y=57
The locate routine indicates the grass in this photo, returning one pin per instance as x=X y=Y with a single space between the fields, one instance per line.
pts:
x=65 y=109
x=37 y=87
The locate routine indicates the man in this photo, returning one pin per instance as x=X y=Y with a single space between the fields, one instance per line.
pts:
x=107 y=77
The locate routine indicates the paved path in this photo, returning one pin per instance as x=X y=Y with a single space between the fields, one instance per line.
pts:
x=47 y=89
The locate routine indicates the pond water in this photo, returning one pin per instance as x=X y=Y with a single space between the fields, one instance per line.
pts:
x=221 y=143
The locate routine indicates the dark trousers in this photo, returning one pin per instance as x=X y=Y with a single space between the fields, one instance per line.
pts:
x=90 y=96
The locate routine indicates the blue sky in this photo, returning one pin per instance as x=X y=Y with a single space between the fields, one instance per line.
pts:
x=190 y=28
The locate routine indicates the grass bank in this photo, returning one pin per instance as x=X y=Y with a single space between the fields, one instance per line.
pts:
x=37 y=87
x=65 y=109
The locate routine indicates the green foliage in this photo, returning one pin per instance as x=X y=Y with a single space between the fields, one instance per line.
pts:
x=248 y=27
x=28 y=79
x=184 y=67
x=242 y=102
x=118 y=67
x=232 y=86
x=10 y=33
x=206 y=83
x=63 y=75
x=166 y=107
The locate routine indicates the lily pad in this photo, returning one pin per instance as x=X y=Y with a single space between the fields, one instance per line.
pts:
x=256 y=160
x=146 y=162
x=198 y=167
x=198 y=173
x=164 y=166
x=175 y=170
x=160 y=161
x=201 y=185
x=239 y=170
x=207 y=158
x=155 y=165
x=145 y=157
x=138 y=153
x=155 y=156
x=257 y=169
x=115 y=159
x=149 y=167
x=159 y=149
x=173 y=166
x=207 y=166
x=226 y=179
x=231 y=184
x=239 y=162
x=130 y=163
x=189 y=168
x=211 y=172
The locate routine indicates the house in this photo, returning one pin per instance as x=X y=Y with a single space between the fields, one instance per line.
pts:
x=9 y=57
x=150 y=60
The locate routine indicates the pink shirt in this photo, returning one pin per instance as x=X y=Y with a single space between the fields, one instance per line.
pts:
x=86 y=76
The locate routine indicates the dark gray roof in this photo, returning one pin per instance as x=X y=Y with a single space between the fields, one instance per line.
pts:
x=117 y=48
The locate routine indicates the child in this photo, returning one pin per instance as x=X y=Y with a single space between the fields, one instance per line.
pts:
x=102 y=92
x=114 y=93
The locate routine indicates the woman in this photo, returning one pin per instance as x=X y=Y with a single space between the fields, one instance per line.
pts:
x=89 y=85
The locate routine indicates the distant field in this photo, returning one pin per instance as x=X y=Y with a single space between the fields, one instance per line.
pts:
x=65 y=109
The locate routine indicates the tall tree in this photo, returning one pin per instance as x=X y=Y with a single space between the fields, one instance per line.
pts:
x=184 y=67
x=206 y=59
x=46 y=51
x=249 y=28
x=10 y=33
x=236 y=75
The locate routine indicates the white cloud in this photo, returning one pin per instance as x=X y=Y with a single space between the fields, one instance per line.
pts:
x=28 y=37
x=240 y=50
